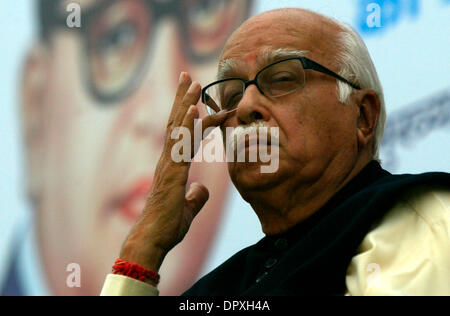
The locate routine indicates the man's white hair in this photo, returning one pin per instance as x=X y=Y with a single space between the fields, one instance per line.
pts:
x=357 y=67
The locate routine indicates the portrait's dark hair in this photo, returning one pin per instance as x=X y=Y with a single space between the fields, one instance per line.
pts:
x=46 y=14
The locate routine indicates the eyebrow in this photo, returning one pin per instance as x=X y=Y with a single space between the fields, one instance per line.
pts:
x=229 y=67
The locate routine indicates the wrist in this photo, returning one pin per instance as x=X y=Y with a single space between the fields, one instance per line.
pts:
x=136 y=271
x=148 y=256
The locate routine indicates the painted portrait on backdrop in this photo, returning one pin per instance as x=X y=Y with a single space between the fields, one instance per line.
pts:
x=96 y=94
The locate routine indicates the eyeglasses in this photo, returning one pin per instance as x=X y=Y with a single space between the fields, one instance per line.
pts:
x=280 y=78
x=119 y=35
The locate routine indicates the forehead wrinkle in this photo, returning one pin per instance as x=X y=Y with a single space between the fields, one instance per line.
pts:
x=230 y=66
x=287 y=28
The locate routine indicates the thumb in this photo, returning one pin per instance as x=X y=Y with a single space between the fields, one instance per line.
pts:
x=196 y=197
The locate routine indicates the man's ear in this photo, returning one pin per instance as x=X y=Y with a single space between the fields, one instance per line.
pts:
x=33 y=89
x=369 y=112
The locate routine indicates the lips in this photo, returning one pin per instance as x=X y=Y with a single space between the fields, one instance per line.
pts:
x=253 y=144
x=131 y=203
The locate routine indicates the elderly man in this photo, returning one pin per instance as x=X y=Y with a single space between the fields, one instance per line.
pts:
x=335 y=222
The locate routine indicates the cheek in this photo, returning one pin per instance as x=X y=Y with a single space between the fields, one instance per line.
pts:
x=334 y=131
x=315 y=132
x=63 y=108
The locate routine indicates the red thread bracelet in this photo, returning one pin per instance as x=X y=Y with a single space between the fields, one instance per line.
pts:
x=134 y=271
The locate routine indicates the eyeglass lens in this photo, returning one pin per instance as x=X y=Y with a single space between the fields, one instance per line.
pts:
x=276 y=80
x=118 y=44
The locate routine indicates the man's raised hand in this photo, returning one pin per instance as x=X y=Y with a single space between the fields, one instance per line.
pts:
x=169 y=209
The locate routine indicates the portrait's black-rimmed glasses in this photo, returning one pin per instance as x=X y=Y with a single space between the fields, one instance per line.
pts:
x=280 y=78
x=118 y=37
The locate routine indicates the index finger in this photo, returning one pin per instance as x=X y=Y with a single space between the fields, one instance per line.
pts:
x=184 y=83
x=191 y=97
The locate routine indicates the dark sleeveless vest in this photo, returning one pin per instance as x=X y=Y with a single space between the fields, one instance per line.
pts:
x=312 y=258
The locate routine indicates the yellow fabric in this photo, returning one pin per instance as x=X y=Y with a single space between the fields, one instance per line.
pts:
x=407 y=253
x=119 y=285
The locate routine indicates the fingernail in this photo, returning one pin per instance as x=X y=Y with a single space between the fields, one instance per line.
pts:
x=193 y=87
x=181 y=77
x=190 y=193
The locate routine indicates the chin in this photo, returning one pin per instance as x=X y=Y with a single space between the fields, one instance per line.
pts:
x=248 y=176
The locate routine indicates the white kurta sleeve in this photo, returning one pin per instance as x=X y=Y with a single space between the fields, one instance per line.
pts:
x=119 y=285
x=408 y=252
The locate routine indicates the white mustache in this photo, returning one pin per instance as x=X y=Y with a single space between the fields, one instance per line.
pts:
x=254 y=129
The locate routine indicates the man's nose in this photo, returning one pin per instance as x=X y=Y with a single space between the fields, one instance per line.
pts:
x=252 y=107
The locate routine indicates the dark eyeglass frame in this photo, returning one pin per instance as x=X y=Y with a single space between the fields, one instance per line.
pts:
x=306 y=63
x=157 y=10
